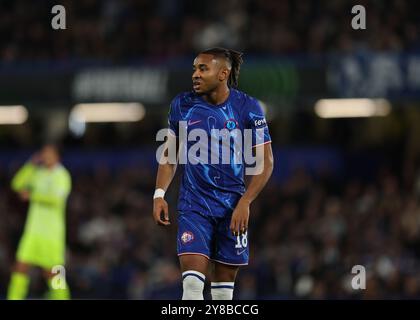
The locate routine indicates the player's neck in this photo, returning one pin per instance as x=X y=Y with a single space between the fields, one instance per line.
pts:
x=217 y=96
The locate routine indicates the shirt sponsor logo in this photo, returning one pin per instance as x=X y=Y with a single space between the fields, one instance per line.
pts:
x=260 y=122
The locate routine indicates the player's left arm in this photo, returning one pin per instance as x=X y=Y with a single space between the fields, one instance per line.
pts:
x=240 y=216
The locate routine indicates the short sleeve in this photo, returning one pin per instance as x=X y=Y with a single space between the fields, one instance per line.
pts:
x=255 y=120
x=173 y=118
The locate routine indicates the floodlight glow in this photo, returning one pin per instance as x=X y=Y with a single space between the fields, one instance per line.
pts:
x=352 y=108
x=13 y=114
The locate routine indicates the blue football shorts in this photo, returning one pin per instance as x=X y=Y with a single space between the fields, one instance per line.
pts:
x=211 y=237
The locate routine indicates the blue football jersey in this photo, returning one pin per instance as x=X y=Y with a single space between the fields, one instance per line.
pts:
x=213 y=188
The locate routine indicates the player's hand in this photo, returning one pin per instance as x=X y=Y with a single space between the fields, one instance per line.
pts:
x=160 y=206
x=24 y=195
x=240 y=218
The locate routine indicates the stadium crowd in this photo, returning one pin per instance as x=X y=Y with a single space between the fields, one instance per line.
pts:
x=306 y=234
x=154 y=30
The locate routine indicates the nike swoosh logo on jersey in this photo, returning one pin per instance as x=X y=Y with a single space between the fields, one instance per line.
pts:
x=240 y=252
x=190 y=123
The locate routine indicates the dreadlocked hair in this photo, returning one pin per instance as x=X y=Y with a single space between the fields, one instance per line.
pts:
x=235 y=60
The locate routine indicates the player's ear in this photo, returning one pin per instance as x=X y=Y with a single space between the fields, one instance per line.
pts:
x=223 y=74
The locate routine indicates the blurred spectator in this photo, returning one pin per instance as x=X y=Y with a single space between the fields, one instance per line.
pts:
x=117 y=30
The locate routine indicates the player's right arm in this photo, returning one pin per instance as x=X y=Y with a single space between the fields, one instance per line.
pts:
x=165 y=174
x=167 y=168
x=22 y=180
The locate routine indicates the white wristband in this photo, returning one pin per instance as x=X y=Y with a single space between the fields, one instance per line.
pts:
x=159 y=193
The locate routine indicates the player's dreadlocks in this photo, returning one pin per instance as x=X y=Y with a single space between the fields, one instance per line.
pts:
x=235 y=60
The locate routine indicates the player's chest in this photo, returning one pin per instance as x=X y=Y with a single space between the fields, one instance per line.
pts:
x=44 y=182
x=206 y=118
